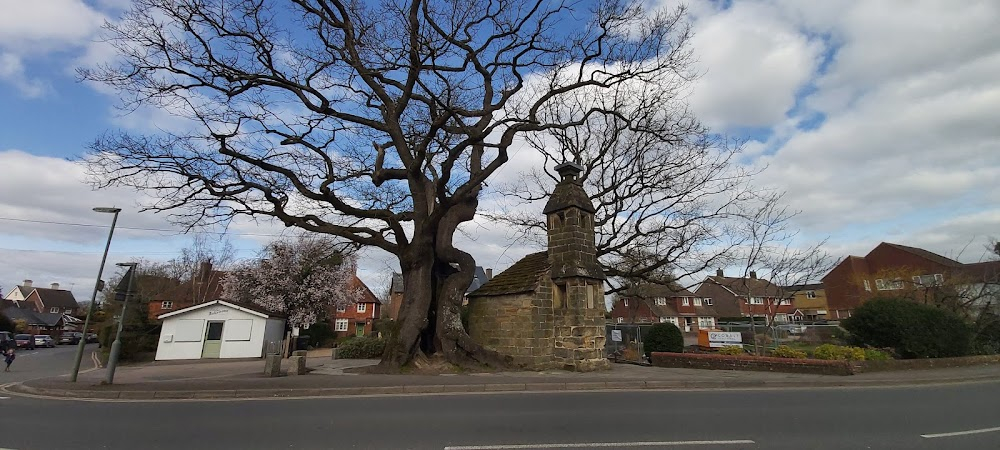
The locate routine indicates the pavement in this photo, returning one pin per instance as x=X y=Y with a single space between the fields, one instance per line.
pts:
x=244 y=379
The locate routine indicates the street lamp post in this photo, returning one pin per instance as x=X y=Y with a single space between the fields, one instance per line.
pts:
x=116 y=347
x=93 y=298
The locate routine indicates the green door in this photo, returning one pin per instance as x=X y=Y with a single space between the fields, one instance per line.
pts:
x=213 y=340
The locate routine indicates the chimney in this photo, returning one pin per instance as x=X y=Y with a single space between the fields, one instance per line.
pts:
x=489 y=274
x=204 y=270
x=753 y=275
x=26 y=283
x=718 y=273
x=55 y=286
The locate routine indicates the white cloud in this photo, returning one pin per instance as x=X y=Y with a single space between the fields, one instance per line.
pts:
x=42 y=26
x=12 y=71
x=754 y=61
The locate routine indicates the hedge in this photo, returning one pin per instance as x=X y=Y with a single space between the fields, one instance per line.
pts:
x=361 y=347
x=912 y=329
x=663 y=337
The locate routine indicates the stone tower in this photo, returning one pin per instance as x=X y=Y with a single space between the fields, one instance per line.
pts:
x=577 y=278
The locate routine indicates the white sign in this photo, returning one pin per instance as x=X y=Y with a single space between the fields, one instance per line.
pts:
x=616 y=335
x=725 y=339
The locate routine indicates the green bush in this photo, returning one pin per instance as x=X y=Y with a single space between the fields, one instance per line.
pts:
x=837 y=352
x=732 y=350
x=320 y=334
x=784 y=351
x=663 y=337
x=987 y=338
x=361 y=347
x=913 y=330
x=874 y=354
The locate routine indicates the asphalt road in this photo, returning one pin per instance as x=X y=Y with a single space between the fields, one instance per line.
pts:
x=892 y=418
x=45 y=362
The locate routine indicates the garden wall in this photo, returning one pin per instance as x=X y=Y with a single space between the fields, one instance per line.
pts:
x=928 y=363
x=756 y=363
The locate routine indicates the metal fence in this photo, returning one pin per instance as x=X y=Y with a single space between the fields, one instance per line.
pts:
x=624 y=342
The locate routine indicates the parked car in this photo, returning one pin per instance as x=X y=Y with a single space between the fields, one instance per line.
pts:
x=91 y=338
x=25 y=341
x=44 y=340
x=70 y=337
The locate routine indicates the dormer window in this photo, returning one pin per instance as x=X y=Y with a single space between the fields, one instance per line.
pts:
x=661 y=302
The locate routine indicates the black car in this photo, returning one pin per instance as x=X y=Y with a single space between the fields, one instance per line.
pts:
x=70 y=337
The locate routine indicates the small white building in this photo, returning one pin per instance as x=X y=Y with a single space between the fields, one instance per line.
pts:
x=219 y=329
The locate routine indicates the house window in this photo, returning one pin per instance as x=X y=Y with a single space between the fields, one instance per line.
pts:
x=54 y=310
x=686 y=302
x=167 y=305
x=880 y=284
x=621 y=319
x=340 y=325
x=888 y=285
x=68 y=311
x=342 y=308
x=868 y=287
x=756 y=301
x=663 y=320
x=896 y=284
x=706 y=322
x=362 y=307
x=661 y=302
x=626 y=302
x=708 y=301
x=810 y=294
x=697 y=302
x=673 y=320
x=929 y=280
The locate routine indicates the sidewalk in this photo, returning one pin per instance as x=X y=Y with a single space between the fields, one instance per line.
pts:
x=244 y=379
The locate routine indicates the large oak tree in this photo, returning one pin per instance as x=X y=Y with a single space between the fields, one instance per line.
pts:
x=378 y=122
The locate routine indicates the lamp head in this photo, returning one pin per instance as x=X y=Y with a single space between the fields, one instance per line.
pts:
x=102 y=209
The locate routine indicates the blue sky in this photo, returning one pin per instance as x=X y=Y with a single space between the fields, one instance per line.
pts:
x=879 y=119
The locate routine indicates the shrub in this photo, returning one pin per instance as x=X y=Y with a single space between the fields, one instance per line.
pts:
x=912 y=329
x=837 y=352
x=784 y=351
x=987 y=338
x=361 y=347
x=320 y=334
x=732 y=350
x=874 y=354
x=663 y=337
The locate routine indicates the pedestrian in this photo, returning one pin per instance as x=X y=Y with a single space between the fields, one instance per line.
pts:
x=9 y=359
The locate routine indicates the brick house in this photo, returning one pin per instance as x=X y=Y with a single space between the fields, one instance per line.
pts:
x=547 y=310
x=899 y=271
x=50 y=324
x=166 y=294
x=654 y=303
x=809 y=301
x=358 y=318
x=51 y=300
x=743 y=297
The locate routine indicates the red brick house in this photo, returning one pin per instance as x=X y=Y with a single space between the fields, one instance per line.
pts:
x=743 y=297
x=166 y=294
x=653 y=303
x=51 y=301
x=898 y=271
x=358 y=318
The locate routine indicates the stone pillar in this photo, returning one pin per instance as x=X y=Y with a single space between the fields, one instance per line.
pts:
x=272 y=366
x=298 y=365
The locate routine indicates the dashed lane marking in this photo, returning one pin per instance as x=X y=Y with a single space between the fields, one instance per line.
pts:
x=599 y=445
x=960 y=433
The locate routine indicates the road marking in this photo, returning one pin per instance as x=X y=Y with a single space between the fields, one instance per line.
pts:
x=4 y=398
x=960 y=433
x=598 y=445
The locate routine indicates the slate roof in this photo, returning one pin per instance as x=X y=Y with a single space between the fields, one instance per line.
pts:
x=249 y=306
x=758 y=287
x=56 y=298
x=519 y=278
x=656 y=290
x=396 y=287
x=25 y=290
x=478 y=279
x=32 y=317
x=930 y=256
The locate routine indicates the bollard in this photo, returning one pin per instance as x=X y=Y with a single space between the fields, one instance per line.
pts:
x=272 y=366
x=298 y=365
x=334 y=353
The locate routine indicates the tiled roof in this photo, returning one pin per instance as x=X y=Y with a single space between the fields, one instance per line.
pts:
x=56 y=298
x=32 y=317
x=926 y=255
x=804 y=287
x=519 y=278
x=757 y=287
x=655 y=290
x=396 y=287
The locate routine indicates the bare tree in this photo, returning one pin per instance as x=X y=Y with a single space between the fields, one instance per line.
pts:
x=773 y=264
x=378 y=122
x=665 y=188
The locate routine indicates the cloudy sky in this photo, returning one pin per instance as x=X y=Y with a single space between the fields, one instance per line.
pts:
x=880 y=119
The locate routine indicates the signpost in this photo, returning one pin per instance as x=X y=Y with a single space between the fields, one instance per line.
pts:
x=719 y=339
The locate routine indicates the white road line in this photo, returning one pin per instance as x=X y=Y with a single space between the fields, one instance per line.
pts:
x=598 y=445
x=960 y=433
x=4 y=398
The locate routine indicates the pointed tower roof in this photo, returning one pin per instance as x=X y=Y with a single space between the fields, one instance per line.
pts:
x=569 y=192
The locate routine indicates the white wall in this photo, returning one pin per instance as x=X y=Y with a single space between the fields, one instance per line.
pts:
x=172 y=330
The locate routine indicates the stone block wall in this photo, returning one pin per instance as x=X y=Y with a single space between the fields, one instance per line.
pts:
x=519 y=326
x=579 y=328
